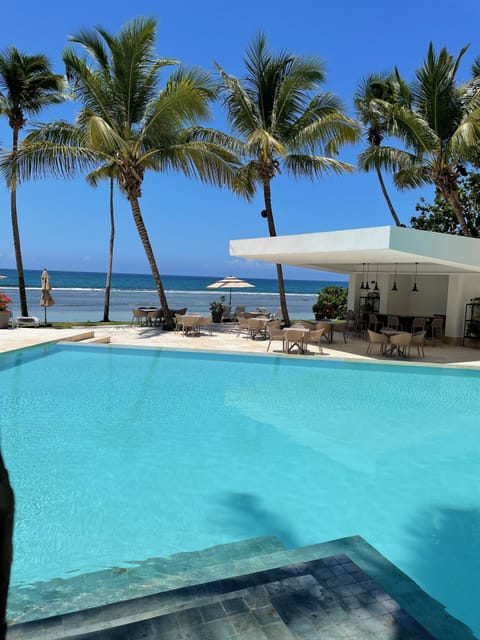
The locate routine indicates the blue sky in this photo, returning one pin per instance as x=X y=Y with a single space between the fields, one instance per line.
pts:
x=64 y=224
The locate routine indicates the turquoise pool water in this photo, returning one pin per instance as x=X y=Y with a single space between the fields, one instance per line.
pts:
x=117 y=455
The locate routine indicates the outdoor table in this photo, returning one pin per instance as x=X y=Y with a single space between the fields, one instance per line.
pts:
x=389 y=333
x=294 y=338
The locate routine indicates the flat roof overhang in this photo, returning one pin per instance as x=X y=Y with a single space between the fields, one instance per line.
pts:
x=347 y=251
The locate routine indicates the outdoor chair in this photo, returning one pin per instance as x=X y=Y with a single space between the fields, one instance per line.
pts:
x=400 y=342
x=257 y=327
x=436 y=330
x=418 y=340
x=238 y=311
x=315 y=338
x=341 y=327
x=376 y=338
x=242 y=325
x=351 y=324
x=394 y=323
x=373 y=323
x=227 y=313
x=139 y=317
x=275 y=333
x=155 y=318
x=327 y=330
x=178 y=322
x=418 y=324
x=191 y=325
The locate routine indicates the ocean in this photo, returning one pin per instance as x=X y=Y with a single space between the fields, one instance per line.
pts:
x=79 y=295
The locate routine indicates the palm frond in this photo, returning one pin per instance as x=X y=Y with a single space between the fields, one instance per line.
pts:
x=309 y=166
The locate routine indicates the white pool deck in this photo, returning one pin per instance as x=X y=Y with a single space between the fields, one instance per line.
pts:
x=224 y=338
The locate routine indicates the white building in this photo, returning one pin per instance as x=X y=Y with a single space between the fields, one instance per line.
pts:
x=446 y=268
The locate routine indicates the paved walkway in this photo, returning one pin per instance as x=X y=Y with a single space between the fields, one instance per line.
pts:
x=225 y=338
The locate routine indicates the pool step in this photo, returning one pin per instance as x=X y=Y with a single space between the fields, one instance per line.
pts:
x=152 y=575
x=329 y=597
x=87 y=337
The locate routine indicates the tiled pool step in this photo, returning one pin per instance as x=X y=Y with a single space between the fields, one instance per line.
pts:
x=187 y=612
x=153 y=575
x=325 y=598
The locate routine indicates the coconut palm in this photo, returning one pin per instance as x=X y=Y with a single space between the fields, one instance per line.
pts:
x=372 y=92
x=27 y=85
x=284 y=122
x=440 y=128
x=7 y=511
x=128 y=124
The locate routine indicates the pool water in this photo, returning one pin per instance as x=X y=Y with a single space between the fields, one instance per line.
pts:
x=119 y=454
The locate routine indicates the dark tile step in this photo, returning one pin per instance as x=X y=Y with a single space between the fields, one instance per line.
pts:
x=59 y=596
x=328 y=598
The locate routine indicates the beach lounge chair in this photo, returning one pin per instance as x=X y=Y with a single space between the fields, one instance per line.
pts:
x=27 y=321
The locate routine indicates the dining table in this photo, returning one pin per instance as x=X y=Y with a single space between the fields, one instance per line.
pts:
x=389 y=332
x=295 y=338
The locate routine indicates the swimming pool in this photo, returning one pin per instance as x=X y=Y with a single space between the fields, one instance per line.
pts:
x=121 y=454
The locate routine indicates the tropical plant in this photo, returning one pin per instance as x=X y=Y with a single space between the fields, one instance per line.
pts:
x=372 y=93
x=217 y=306
x=331 y=302
x=440 y=127
x=27 y=85
x=439 y=215
x=130 y=126
x=283 y=121
x=4 y=301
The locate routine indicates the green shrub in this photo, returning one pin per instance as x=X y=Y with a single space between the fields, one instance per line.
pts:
x=331 y=302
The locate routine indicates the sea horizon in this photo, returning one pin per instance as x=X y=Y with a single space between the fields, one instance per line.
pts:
x=79 y=295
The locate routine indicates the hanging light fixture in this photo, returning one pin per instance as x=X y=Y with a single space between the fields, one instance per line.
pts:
x=415 y=288
x=362 y=286
x=395 y=288
x=376 y=288
x=367 y=286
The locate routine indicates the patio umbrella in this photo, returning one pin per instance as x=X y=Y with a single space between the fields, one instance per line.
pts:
x=230 y=282
x=46 y=299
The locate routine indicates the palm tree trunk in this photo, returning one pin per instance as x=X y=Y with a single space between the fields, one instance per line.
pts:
x=387 y=198
x=106 y=306
x=453 y=199
x=142 y=232
x=15 y=231
x=267 y=195
x=7 y=511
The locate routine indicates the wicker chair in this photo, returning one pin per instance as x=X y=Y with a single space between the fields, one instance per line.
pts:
x=376 y=338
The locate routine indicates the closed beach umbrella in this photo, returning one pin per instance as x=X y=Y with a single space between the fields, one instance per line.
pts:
x=46 y=299
x=230 y=282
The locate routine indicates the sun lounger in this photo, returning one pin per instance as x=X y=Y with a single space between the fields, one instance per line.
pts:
x=27 y=321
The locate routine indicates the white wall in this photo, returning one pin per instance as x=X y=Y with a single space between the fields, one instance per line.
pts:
x=460 y=291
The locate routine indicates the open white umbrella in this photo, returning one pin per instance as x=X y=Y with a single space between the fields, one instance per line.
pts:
x=46 y=299
x=230 y=282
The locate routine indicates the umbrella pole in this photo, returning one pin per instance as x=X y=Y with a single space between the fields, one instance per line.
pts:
x=45 y=310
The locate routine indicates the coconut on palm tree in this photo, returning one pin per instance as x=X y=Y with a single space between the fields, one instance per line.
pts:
x=372 y=92
x=27 y=85
x=440 y=128
x=129 y=124
x=285 y=123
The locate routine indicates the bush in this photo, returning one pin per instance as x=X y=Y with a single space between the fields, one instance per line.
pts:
x=331 y=302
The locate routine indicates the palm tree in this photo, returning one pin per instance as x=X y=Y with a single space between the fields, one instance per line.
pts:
x=283 y=122
x=372 y=90
x=27 y=85
x=440 y=127
x=128 y=123
x=7 y=511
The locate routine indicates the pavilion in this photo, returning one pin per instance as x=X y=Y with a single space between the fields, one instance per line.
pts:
x=435 y=273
